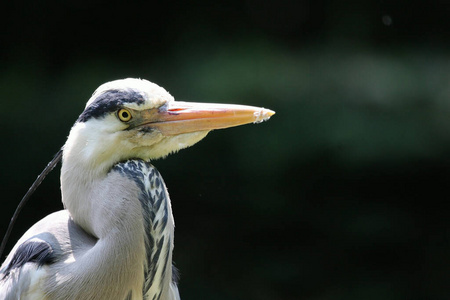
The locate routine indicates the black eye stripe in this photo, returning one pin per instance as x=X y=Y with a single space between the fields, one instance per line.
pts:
x=110 y=101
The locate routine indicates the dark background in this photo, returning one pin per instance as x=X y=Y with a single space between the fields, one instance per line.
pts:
x=341 y=195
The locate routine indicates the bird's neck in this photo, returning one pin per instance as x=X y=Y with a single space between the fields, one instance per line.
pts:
x=84 y=174
x=159 y=226
x=128 y=209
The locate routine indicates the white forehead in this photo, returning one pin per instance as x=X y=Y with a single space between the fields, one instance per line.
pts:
x=154 y=95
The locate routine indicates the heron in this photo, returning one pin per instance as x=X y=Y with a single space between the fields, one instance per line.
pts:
x=115 y=236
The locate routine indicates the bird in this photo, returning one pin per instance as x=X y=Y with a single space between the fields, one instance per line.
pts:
x=115 y=236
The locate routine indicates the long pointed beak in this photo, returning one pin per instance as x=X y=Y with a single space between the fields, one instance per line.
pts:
x=184 y=117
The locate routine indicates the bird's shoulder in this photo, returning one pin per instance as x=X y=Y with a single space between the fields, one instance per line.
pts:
x=33 y=250
x=25 y=265
x=23 y=273
x=49 y=240
x=45 y=245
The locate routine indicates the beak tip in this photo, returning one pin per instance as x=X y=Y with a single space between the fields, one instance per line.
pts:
x=263 y=115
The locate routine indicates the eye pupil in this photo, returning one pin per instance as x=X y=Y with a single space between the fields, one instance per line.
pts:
x=124 y=115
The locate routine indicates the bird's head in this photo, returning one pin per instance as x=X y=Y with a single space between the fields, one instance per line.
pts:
x=134 y=118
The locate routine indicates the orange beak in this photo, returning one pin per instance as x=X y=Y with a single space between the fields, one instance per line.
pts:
x=184 y=117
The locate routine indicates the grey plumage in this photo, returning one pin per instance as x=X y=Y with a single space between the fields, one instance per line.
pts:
x=59 y=242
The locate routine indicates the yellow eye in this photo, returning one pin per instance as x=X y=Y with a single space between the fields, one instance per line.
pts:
x=124 y=115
